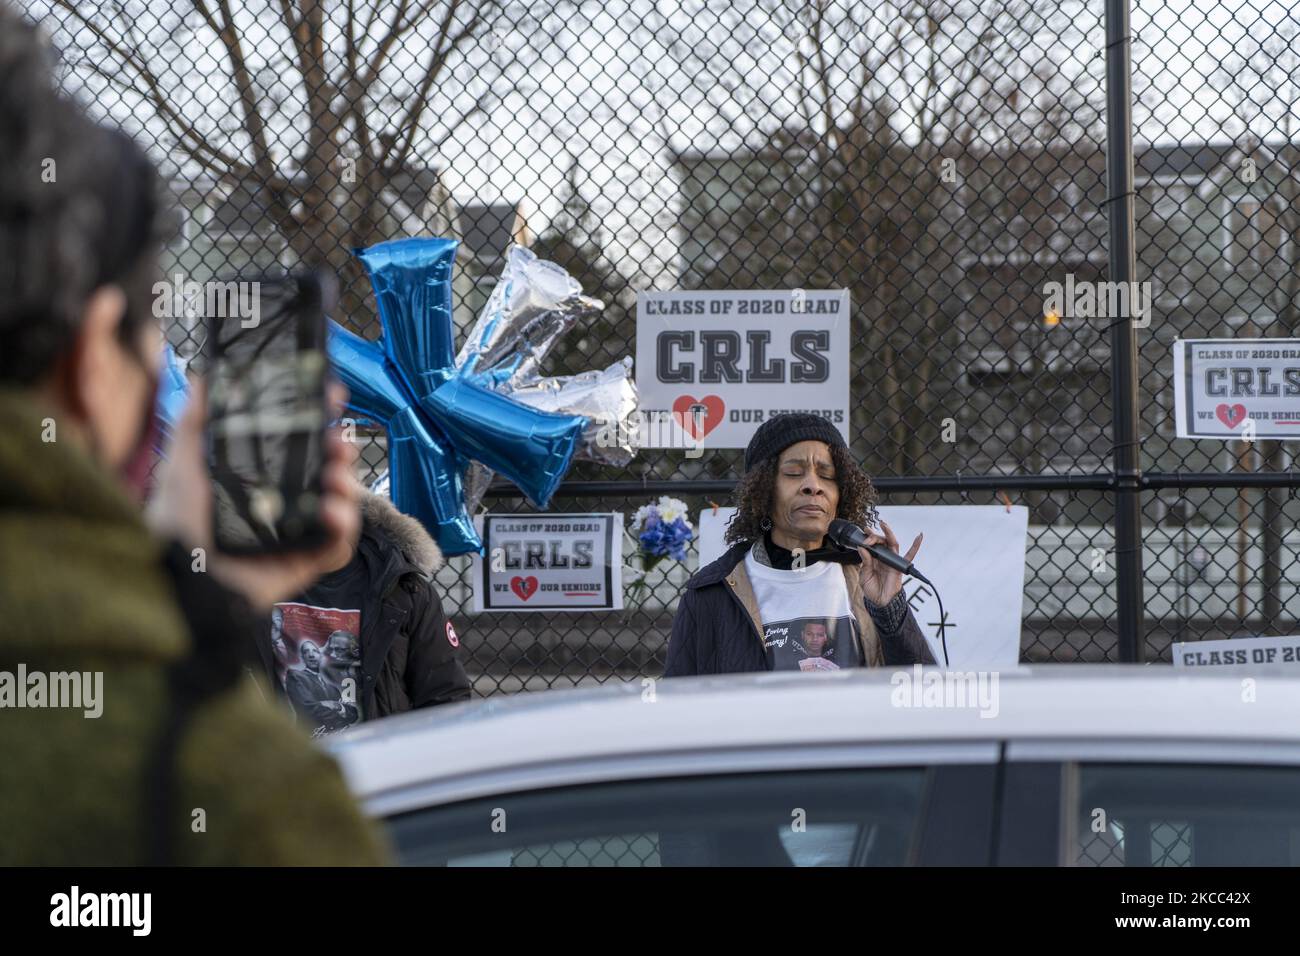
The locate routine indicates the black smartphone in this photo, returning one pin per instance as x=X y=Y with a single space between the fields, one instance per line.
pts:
x=267 y=410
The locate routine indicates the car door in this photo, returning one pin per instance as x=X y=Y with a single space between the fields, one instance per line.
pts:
x=881 y=810
x=1162 y=804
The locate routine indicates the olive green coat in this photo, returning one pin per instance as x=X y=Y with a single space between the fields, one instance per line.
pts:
x=82 y=589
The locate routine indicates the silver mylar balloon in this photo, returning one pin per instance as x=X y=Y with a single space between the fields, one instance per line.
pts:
x=608 y=397
x=533 y=304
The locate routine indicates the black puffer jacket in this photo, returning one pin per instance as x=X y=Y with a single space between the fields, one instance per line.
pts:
x=410 y=654
x=718 y=630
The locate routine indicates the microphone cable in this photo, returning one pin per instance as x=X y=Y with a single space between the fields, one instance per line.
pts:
x=943 y=618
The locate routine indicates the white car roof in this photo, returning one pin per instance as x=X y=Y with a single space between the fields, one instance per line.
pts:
x=852 y=717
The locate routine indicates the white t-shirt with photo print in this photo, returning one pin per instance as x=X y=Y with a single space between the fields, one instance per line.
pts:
x=807 y=622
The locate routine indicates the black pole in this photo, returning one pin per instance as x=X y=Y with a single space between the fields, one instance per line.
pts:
x=1123 y=336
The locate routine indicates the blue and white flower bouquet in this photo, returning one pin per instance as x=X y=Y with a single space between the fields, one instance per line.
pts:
x=662 y=530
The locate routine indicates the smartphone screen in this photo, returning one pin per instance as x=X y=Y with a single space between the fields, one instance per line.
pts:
x=267 y=415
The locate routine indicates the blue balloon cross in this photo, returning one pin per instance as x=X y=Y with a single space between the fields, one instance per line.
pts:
x=439 y=416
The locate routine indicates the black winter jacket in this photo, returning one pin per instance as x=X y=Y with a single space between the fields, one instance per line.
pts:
x=408 y=658
x=718 y=630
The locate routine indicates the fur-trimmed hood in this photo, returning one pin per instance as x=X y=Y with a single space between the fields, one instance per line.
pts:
x=407 y=533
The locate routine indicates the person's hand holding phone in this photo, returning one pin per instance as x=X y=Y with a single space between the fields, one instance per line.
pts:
x=182 y=508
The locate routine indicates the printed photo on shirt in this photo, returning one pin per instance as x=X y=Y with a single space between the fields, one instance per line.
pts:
x=318 y=664
x=811 y=643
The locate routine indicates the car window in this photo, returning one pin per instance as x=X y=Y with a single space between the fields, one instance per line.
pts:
x=1213 y=815
x=813 y=818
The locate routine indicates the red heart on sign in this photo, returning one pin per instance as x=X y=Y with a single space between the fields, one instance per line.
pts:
x=524 y=587
x=684 y=410
x=1231 y=415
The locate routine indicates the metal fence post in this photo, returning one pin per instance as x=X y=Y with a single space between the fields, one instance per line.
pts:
x=1124 y=397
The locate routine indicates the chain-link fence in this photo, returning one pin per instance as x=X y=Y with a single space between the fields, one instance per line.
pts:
x=944 y=161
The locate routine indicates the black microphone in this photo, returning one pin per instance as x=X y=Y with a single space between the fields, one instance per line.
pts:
x=848 y=535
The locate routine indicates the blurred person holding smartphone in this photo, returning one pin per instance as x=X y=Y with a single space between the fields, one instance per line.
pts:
x=369 y=637
x=167 y=755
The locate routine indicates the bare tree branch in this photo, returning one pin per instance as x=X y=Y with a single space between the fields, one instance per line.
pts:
x=350 y=37
x=823 y=74
x=194 y=142
x=196 y=147
x=394 y=33
x=411 y=121
x=254 y=124
x=297 y=33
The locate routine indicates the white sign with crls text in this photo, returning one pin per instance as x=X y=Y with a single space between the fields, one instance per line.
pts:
x=549 y=562
x=1237 y=388
x=974 y=554
x=716 y=365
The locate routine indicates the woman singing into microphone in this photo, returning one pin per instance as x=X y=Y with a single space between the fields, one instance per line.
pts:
x=784 y=596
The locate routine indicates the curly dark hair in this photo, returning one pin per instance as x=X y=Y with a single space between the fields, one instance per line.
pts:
x=79 y=208
x=754 y=493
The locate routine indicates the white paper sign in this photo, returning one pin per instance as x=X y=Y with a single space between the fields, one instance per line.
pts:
x=1250 y=651
x=549 y=562
x=1237 y=388
x=713 y=366
x=974 y=554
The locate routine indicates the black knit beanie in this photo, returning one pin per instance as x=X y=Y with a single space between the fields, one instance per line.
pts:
x=777 y=434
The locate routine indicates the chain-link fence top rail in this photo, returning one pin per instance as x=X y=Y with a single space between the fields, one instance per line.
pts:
x=941 y=160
